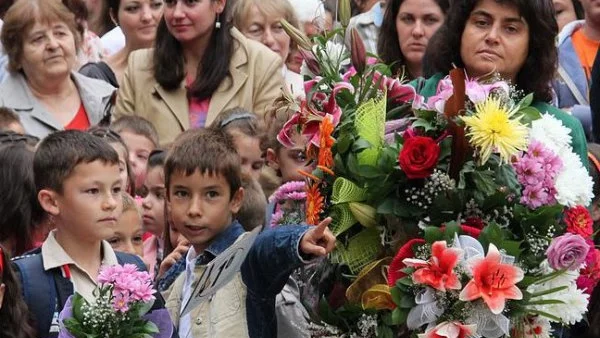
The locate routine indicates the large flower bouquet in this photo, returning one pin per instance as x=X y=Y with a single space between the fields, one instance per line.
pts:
x=460 y=215
x=122 y=307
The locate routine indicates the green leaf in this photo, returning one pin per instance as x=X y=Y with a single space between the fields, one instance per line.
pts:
x=513 y=248
x=526 y=101
x=150 y=328
x=352 y=164
x=144 y=308
x=343 y=143
x=433 y=234
x=384 y=332
x=445 y=148
x=368 y=171
x=399 y=316
x=396 y=295
x=78 y=301
x=426 y=125
x=360 y=145
x=451 y=229
x=547 y=292
x=506 y=176
x=545 y=314
x=529 y=114
x=407 y=302
x=484 y=181
x=545 y=302
x=491 y=234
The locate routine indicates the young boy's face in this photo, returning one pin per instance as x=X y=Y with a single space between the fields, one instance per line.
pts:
x=128 y=233
x=201 y=206
x=90 y=204
x=139 y=148
x=153 y=205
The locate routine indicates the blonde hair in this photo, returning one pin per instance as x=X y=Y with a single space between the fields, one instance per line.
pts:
x=130 y=205
x=269 y=8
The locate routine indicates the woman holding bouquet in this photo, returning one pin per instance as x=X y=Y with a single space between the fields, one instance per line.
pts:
x=513 y=38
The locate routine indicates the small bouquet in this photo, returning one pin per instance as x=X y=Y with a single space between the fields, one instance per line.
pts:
x=288 y=204
x=124 y=298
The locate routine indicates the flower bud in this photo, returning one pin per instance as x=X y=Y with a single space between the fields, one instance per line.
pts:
x=344 y=12
x=295 y=34
x=358 y=53
x=311 y=62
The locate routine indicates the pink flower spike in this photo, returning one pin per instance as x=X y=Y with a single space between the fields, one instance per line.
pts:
x=450 y=330
x=438 y=271
x=493 y=281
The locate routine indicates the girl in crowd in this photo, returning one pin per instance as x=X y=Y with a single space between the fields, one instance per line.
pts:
x=14 y=317
x=260 y=20
x=138 y=20
x=405 y=32
x=153 y=210
x=248 y=133
x=199 y=67
x=128 y=231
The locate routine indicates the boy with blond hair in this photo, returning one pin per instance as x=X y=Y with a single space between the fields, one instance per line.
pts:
x=204 y=191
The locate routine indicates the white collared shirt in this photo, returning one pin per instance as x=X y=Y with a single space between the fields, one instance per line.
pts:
x=185 y=322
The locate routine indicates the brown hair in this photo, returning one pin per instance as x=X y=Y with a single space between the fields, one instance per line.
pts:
x=8 y=117
x=241 y=11
x=252 y=211
x=279 y=113
x=242 y=120
x=210 y=151
x=138 y=125
x=22 y=16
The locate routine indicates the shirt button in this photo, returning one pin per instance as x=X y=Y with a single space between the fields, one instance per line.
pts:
x=198 y=321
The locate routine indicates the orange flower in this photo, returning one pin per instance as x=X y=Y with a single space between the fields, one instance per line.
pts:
x=325 y=143
x=314 y=204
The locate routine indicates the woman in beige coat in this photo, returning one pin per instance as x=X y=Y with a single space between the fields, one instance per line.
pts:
x=199 y=67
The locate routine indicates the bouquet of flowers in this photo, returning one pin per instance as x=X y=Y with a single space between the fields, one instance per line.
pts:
x=124 y=298
x=460 y=215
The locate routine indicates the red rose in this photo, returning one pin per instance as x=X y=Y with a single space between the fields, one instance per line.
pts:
x=579 y=221
x=418 y=156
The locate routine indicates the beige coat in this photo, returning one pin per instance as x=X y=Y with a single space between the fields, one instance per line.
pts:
x=255 y=82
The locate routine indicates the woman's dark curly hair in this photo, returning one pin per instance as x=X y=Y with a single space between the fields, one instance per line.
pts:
x=15 y=321
x=443 y=52
x=388 y=45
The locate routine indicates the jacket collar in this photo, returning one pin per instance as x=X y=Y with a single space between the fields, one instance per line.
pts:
x=568 y=30
x=225 y=239
x=93 y=94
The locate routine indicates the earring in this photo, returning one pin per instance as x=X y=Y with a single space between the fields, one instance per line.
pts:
x=218 y=22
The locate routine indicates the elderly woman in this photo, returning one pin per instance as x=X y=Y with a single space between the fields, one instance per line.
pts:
x=40 y=38
x=199 y=67
x=259 y=20
x=405 y=32
x=514 y=38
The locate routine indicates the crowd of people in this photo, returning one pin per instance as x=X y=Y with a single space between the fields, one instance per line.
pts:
x=146 y=131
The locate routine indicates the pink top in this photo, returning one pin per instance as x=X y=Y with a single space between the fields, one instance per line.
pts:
x=198 y=109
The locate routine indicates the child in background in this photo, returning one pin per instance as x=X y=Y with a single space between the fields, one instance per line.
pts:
x=203 y=180
x=153 y=210
x=248 y=134
x=78 y=184
x=252 y=211
x=594 y=169
x=9 y=120
x=19 y=210
x=141 y=139
x=14 y=317
x=128 y=232
x=119 y=146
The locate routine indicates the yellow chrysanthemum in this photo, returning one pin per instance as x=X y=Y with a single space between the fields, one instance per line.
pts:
x=493 y=129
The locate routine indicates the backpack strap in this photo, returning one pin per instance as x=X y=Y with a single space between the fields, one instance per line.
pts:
x=45 y=292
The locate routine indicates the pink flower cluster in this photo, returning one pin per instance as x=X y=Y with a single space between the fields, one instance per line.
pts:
x=294 y=190
x=128 y=285
x=536 y=171
x=590 y=274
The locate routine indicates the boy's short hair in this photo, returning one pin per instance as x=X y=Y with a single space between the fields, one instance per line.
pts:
x=8 y=117
x=59 y=153
x=138 y=125
x=211 y=151
x=252 y=211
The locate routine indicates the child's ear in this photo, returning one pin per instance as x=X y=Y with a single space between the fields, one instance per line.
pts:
x=272 y=160
x=48 y=201
x=236 y=201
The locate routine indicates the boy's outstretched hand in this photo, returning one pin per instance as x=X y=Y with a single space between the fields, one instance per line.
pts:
x=318 y=241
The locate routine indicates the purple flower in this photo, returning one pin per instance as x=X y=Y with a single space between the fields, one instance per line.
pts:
x=534 y=196
x=529 y=171
x=567 y=252
x=121 y=303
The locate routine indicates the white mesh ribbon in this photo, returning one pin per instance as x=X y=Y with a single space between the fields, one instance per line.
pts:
x=471 y=247
x=488 y=324
x=427 y=311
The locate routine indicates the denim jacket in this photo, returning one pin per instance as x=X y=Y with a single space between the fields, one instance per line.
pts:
x=245 y=307
x=571 y=85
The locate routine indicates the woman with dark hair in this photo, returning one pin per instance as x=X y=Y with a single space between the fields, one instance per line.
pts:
x=99 y=19
x=405 y=32
x=513 y=38
x=199 y=67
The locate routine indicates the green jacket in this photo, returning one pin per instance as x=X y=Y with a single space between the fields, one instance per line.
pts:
x=428 y=88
